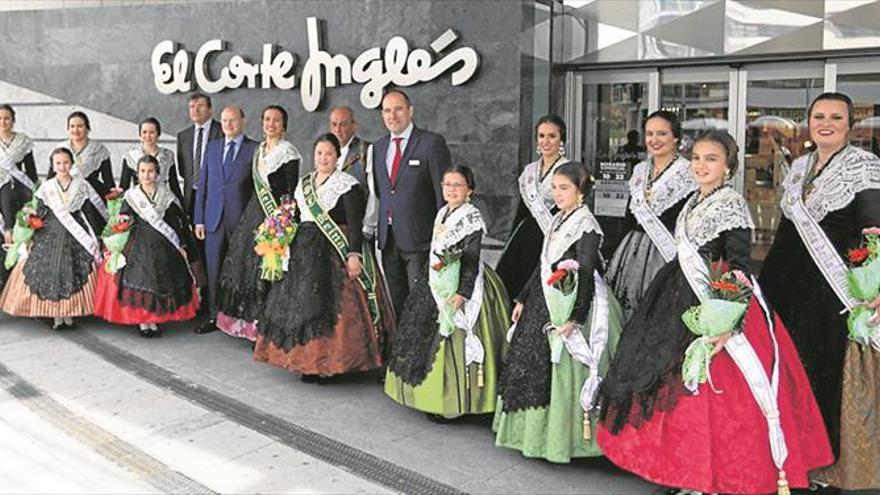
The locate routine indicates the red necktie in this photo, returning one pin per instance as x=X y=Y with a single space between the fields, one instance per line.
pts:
x=395 y=163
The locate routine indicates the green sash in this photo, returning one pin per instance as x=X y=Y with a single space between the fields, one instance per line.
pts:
x=337 y=238
x=264 y=192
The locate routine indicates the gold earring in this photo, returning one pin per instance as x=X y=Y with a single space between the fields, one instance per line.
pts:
x=727 y=174
x=581 y=200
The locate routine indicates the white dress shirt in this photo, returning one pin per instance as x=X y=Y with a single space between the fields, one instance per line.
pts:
x=389 y=155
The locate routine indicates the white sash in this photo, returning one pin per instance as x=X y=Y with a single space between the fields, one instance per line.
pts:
x=142 y=205
x=13 y=154
x=556 y=243
x=673 y=186
x=662 y=238
x=536 y=193
x=87 y=239
x=818 y=244
x=465 y=220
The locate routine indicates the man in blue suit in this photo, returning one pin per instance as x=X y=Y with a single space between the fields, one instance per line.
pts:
x=224 y=188
x=408 y=165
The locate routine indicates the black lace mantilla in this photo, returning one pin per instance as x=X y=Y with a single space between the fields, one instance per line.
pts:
x=242 y=292
x=417 y=338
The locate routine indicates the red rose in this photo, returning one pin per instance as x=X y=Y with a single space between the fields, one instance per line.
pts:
x=437 y=266
x=858 y=255
x=120 y=227
x=35 y=222
x=556 y=276
x=110 y=196
x=725 y=286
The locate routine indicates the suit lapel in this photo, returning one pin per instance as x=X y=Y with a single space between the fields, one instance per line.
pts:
x=411 y=144
x=354 y=149
x=380 y=154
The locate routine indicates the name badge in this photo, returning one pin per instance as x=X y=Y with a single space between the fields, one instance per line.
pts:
x=414 y=163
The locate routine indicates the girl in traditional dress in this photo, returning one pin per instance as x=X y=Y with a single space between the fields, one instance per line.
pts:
x=447 y=366
x=563 y=339
x=329 y=314
x=154 y=285
x=752 y=426
x=91 y=159
x=658 y=189
x=829 y=197
x=57 y=277
x=536 y=210
x=18 y=174
x=149 y=130
x=275 y=171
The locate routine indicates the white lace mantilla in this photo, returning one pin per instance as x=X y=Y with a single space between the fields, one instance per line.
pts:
x=163 y=155
x=160 y=202
x=282 y=153
x=464 y=221
x=674 y=184
x=557 y=242
x=15 y=152
x=537 y=194
x=88 y=159
x=328 y=193
x=77 y=192
x=705 y=220
x=850 y=172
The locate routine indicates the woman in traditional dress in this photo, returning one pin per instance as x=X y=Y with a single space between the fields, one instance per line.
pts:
x=554 y=362
x=329 y=314
x=658 y=189
x=149 y=130
x=730 y=434
x=829 y=197
x=451 y=329
x=18 y=174
x=91 y=159
x=154 y=285
x=275 y=171
x=57 y=277
x=536 y=208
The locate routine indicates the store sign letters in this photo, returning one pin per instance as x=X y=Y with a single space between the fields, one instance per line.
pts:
x=174 y=69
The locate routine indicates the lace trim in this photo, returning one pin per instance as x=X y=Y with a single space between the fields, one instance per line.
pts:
x=164 y=155
x=15 y=152
x=282 y=153
x=329 y=193
x=89 y=158
x=163 y=199
x=533 y=189
x=671 y=187
x=462 y=222
x=703 y=221
x=77 y=192
x=561 y=237
x=850 y=172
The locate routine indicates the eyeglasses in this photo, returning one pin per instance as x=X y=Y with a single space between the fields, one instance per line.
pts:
x=453 y=185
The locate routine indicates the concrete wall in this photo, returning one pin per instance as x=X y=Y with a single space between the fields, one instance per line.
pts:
x=96 y=56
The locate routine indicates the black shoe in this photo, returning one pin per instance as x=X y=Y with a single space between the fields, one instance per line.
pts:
x=155 y=333
x=309 y=378
x=436 y=418
x=145 y=333
x=206 y=327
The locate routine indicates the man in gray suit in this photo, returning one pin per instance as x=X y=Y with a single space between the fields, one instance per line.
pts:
x=191 y=144
x=354 y=149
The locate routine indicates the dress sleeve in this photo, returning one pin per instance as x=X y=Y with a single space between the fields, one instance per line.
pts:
x=174 y=182
x=107 y=175
x=127 y=176
x=868 y=208
x=354 y=203
x=737 y=250
x=30 y=167
x=588 y=257
x=470 y=264
x=7 y=205
x=96 y=221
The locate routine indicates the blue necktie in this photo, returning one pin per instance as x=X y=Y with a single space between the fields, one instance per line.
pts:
x=230 y=154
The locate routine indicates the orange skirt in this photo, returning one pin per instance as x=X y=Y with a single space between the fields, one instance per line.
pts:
x=18 y=300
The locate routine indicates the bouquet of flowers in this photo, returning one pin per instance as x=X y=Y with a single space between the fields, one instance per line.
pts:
x=444 y=284
x=115 y=236
x=114 y=202
x=272 y=241
x=560 y=296
x=863 y=280
x=720 y=314
x=26 y=223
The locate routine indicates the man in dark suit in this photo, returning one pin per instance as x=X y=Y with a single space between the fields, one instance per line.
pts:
x=353 y=157
x=408 y=166
x=224 y=188
x=191 y=143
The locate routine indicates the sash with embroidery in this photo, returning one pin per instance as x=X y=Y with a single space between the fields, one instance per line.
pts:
x=556 y=243
x=764 y=389
x=146 y=210
x=339 y=242
x=49 y=193
x=674 y=184
x=850 y=172
x=88 y=160
x=533 y=192
x=163 y=155
x=11 y=156
x=462 y=222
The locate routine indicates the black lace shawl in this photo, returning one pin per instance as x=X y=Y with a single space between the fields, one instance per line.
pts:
x=418 y=337
x=653 y=341
x=525 y=379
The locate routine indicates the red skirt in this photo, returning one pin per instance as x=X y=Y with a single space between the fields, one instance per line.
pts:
x=718 y=442
x=108 y=307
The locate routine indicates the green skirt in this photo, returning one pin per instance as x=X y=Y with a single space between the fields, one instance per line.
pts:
x=449 y=388
x=556 y=432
